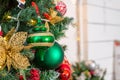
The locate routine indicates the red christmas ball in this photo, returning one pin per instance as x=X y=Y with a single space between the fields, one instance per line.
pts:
x=64 y=70
x=61 y=7
x=65 y=75
x=63 y=67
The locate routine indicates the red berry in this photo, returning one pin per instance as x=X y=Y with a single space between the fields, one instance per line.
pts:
x=21 y=77
x=47 y=16
x=1 y=33
x=92 y=72
x=34 y=74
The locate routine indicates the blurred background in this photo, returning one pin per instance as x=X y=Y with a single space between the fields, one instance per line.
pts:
x=96 y=29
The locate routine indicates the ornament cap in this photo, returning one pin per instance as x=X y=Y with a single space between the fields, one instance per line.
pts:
x=41 y=28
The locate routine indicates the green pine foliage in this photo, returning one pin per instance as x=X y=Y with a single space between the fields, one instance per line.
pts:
x=80 y=68
x=49 y=75
x=6 y=5
x=9 y=8
x=5 y=75
x=59 y=29
x=29 y=13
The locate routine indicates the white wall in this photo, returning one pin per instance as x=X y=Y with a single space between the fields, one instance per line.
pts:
x=103 y=28
x=70 y=39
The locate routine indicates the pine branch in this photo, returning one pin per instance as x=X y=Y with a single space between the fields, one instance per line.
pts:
x=49 y=75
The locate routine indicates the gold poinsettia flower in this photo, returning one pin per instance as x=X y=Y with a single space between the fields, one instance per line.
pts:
x=10 y=52
x=54 y=18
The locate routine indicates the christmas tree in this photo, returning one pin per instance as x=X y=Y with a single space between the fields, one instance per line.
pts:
x=29 y=31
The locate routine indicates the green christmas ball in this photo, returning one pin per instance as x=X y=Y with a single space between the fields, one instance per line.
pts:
x=41 y=39
x=50 y=58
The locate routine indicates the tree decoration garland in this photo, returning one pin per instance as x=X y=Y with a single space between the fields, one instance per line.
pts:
x=88 y=70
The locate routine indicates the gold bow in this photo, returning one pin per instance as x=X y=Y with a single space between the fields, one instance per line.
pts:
x=10 y=52
x=54 y=18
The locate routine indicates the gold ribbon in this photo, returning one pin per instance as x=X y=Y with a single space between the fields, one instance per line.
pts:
x=41 y=43
x=41 y=34
x=10 y=52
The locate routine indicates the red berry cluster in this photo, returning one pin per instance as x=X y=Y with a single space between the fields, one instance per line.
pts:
x=35 y=74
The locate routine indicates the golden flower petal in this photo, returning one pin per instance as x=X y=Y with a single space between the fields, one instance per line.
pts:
x=9 y=62
x=18 y=39
x=2 y=57
x=20 y=61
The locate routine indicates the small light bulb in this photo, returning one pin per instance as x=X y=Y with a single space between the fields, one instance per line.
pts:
x=78 y=38
x=9 y=17
x=4 y=38
x=0 y=67
x=32 y=22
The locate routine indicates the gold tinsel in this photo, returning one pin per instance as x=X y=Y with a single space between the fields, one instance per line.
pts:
x=10 y=51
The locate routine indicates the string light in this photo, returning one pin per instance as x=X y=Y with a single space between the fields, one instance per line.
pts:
x=78 y=38
x=10 y=17
x=32 y=20
x=1 y=67
x=4 y=38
